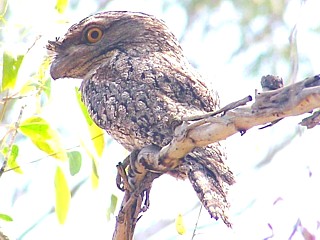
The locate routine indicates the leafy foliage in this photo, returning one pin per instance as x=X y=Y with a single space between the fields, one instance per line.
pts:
x=36 y=128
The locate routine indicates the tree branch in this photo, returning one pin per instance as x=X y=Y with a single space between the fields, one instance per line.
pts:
x=199 y=131
x=296 y=99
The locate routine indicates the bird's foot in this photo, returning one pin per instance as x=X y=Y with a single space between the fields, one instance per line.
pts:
x=135 y=166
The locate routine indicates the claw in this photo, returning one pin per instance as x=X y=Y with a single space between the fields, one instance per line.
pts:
x=119 y=177
x=133 y=159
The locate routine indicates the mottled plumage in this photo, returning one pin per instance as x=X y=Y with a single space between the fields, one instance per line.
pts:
x=137 y=84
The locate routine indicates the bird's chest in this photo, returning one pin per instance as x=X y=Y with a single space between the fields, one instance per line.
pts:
x=132 y=113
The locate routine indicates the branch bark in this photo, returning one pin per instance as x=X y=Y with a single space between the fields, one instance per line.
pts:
x=268 y=108
x=3 y=236
x=296 y=99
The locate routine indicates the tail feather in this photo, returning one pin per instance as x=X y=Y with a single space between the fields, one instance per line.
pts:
x=211 y=178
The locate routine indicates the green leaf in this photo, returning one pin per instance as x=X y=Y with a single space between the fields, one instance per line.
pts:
x=75 y=161
x=6 y=217
x=43 y=136
x=94 y=173
x=61 y=5
x=83 y=108
x=97 y=137
x=96 y=133
x=112 y=207
x=47 y=87
x=63 y=195
x=11 y=65
x=12 y=163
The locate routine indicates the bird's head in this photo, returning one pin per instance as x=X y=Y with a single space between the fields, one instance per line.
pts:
x=97 y=38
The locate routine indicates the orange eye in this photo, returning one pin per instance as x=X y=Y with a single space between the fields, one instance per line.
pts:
x=94 y=35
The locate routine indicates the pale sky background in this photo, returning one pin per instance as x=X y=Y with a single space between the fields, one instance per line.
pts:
x=276 y=195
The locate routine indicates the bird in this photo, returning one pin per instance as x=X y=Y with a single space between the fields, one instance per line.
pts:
x=137 y=85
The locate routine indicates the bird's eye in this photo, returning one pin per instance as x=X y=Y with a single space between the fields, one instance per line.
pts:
x=94 y=35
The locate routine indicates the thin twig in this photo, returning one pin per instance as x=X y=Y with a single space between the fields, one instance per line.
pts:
x=13 y=136
x=223 y=110
x=196 y=225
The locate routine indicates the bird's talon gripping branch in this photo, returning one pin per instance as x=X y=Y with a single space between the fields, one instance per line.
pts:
x=146 y=203
x=147 y=160
x=136 y=171
x=133 y=166
x=122 y=178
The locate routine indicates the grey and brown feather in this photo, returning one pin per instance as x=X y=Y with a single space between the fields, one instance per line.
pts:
x=137 y=84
